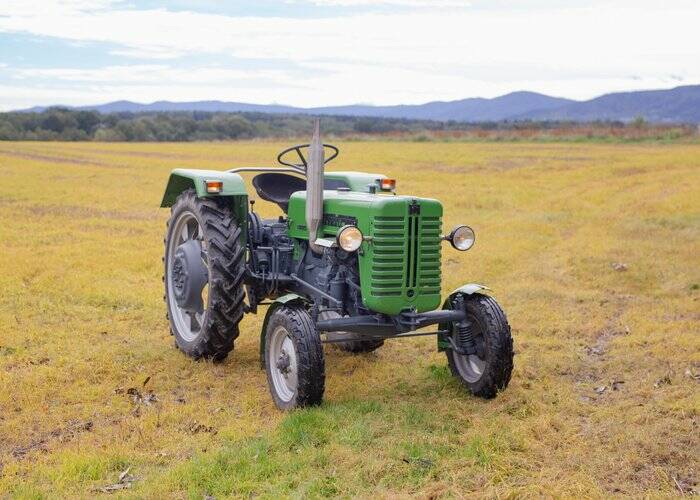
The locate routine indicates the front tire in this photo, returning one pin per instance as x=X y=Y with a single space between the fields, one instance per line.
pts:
x=204 y=268
x=488 y=371
x=294 y=360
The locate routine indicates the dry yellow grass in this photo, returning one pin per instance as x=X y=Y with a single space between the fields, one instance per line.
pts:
x=605 y=396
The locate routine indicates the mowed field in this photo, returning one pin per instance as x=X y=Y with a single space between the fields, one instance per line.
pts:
x=593 y=250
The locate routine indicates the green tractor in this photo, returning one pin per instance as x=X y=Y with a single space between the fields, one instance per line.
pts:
x=347 y=262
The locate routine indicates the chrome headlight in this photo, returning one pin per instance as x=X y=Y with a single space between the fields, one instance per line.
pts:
x=462 y=238
x=349 y=238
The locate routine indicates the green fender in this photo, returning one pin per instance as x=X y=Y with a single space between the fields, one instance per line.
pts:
x=182 y=179
x=468 y=289
x=290 y=298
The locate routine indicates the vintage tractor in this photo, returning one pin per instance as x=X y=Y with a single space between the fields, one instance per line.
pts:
x=348 y=262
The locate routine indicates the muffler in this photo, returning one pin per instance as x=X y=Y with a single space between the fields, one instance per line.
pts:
x=314 y=188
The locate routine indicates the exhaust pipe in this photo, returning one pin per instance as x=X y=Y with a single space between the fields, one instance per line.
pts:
x=314 y=187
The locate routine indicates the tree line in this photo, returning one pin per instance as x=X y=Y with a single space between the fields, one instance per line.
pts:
x=63 y=124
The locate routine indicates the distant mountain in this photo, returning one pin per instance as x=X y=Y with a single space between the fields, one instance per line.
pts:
x=167 y=106
x=466 y=110
x=681 y=104
x=207 y=106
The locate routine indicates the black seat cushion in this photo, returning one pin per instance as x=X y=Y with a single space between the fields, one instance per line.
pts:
x=278 y=187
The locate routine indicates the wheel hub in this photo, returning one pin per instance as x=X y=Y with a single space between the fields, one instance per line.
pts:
x=283 y=363
x=189 y=275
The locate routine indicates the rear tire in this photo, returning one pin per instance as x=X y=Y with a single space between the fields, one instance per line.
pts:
x=210 y=331
x=294 y=360
x=489 y=371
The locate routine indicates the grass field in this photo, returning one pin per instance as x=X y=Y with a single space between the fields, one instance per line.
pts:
x=593 y=250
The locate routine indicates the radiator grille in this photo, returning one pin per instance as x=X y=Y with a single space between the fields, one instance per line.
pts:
x=389 y=263
x=406 y=260
x=429 y=261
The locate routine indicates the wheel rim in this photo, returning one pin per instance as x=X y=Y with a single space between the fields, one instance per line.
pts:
x=189 y=320
x=282 y=363
x=471 y=367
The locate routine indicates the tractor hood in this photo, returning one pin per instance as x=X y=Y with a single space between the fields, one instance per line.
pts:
x=400 y=259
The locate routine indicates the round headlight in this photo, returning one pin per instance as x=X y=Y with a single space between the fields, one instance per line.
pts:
x=349 y=238
x=462 y=238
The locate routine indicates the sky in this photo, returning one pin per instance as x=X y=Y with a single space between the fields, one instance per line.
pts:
x=336 y=52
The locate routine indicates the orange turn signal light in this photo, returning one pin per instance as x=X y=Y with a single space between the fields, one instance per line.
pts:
x=214 y=187
x=387 y=184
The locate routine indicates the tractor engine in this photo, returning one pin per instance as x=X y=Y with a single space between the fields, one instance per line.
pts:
x=280 y=262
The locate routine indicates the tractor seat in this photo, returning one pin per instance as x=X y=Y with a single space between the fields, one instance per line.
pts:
x=277 y=187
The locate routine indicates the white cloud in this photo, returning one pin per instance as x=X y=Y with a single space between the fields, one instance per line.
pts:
x=147 y=74
x=400 y=3
x=409 y=56
x=146 y=53
x=48 y=7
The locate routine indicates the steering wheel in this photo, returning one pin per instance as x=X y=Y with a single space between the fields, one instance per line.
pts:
x=298 y=148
